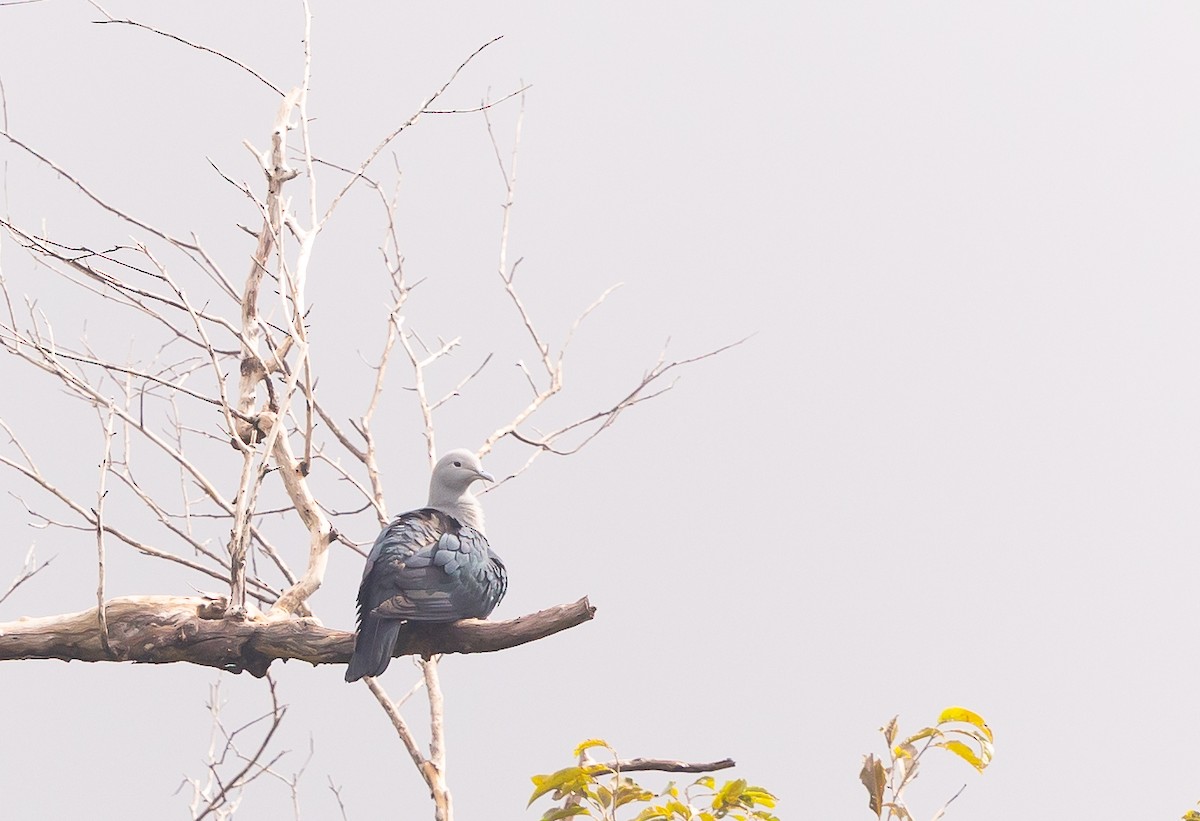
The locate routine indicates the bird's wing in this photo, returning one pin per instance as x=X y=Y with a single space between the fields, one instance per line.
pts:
x=426 y=566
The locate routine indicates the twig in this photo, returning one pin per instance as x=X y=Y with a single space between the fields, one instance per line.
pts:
x=117 y=212
x=337 y=796
x=179 y=39
x=604 y=418
x=403 y=126
x=482 y=106
x=243 y=776
x=28 y=570
x=98 y=513
x=949 y=801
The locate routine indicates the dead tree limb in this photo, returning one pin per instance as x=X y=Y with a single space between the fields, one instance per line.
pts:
x=165 y=629
x=662 y=765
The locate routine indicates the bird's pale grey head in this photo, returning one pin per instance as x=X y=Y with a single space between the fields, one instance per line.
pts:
x=450 y=487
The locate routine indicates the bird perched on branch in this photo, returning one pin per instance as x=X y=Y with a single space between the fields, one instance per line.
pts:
x=428 y=565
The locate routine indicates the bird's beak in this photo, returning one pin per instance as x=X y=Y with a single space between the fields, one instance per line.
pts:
x=487 y=477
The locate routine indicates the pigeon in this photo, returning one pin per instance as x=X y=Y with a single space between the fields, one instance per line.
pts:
x=429 y=565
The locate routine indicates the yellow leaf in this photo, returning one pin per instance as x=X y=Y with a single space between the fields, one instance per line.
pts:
x=729 y=794
x=986 y=750
x=630 y=793
x=926 y=733
x=568 y=779
x=758 y=795
x=678 y=808
x=587 y=745
x=965 y=715
x=964 y=752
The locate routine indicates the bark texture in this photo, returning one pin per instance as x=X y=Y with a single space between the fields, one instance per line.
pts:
x=165 y=629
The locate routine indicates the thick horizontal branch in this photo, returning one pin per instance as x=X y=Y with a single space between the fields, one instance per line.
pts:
x=663 y=765
x=164 y=629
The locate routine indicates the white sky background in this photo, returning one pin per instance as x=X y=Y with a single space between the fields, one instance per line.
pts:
x=956 y=465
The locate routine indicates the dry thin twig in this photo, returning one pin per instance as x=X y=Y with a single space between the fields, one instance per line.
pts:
x=29 y=569
x=189 y=43
x=98 y=512
x=219 y=797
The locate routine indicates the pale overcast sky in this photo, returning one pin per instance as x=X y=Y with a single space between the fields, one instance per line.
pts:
x=956 y=464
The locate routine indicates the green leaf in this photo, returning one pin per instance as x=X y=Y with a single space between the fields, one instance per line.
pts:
x=555 y=813
x=589 y=744
x=964 y=752
x=874 y=778
x=965 y=715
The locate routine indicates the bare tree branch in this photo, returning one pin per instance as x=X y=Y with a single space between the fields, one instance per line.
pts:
x=98 y=512
x=442 y=800
x=403 y=126
x=166 y=629
x=28 y=570
x=189 y=43
x=485 y=106
x=220 y=796
x=663 y=765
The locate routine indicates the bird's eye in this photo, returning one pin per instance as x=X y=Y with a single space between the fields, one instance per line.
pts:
x=458 y=464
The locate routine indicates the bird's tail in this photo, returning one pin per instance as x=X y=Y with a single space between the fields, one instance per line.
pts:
x=373 y=646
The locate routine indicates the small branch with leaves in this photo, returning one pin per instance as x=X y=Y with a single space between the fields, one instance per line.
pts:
x=603 y=791
x=957 y=730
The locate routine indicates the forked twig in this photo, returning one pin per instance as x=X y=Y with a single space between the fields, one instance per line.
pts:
x=189 y=43
x=29 y=569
